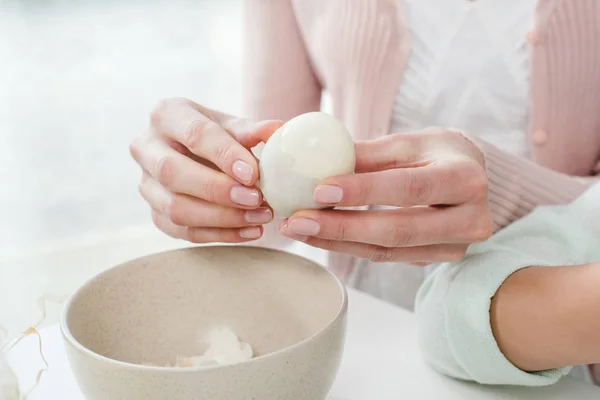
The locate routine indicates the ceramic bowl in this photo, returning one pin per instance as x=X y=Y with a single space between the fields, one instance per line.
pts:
x=291 y=310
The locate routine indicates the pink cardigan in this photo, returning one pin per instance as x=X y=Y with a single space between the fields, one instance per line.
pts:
x=357 y=50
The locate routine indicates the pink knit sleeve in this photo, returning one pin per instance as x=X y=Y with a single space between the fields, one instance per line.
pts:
x=517 y=186
x=279 y=82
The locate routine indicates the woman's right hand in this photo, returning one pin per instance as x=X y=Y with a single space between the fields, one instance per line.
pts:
x=199 y=173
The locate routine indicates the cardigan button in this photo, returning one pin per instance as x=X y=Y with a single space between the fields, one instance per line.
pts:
x=533 y=37
x=540 y=137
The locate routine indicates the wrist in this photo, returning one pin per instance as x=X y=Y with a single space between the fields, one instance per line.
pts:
x=546 y=317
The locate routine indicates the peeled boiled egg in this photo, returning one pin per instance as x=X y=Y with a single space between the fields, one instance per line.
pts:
x=305 y=150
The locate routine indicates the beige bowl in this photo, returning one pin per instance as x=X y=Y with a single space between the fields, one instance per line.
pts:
x=292 y=312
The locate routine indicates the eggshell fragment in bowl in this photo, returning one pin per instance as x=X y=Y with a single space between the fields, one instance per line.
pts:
x=305 y=150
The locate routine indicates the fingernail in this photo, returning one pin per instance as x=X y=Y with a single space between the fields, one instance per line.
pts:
x=328 y=194
x=244 y=196
x=303 y=226
x=243 y=171
x=258 y=216
x=283 y=229
x=251 y=232
x=283 y=224
x=300 y=238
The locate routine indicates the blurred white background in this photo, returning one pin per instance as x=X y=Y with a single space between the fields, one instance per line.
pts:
x=77 y=81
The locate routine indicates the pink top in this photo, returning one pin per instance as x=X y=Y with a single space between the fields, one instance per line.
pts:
x=357 y=50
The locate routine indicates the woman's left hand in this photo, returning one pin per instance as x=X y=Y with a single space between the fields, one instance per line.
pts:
x=437 y=179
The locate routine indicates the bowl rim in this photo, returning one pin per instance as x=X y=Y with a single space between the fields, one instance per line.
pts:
x=68 y=336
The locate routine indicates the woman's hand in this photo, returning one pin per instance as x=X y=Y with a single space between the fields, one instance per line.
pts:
x=199 y=174
x=438 y=178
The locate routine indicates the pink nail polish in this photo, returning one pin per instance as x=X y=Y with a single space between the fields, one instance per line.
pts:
x=243 y=171
x=245 y=196
x=258 y=216
x=252 y=232
x=283 y=224
x=300 y=238
x=304 y=226
x=328 y=194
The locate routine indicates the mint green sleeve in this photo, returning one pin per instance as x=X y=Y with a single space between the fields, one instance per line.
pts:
x=453 y=305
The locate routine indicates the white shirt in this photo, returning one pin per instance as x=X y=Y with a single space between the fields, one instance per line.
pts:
x=468 y=69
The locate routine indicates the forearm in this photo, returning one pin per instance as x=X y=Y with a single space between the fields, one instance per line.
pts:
x=494 y=319
x=279 y=81
x=547 y=317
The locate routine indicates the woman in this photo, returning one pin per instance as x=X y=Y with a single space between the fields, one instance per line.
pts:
x=519 y=78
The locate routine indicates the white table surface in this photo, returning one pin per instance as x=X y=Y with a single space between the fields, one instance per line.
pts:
x=381 y=359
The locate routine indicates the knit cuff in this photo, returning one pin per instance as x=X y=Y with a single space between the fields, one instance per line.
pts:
x=517 y=186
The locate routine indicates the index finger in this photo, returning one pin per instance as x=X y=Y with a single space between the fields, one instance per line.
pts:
x=200 y=130
x=450 y=182
x=387 y=152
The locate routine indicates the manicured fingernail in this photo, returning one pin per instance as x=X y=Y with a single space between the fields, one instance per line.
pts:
x=244 y=196
x=328 y=194
x=258 y=216
x=283 y=229
x=300 y=238
x=251 y=232
x=243 y=171
x=283 y=224
x=303 y=226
